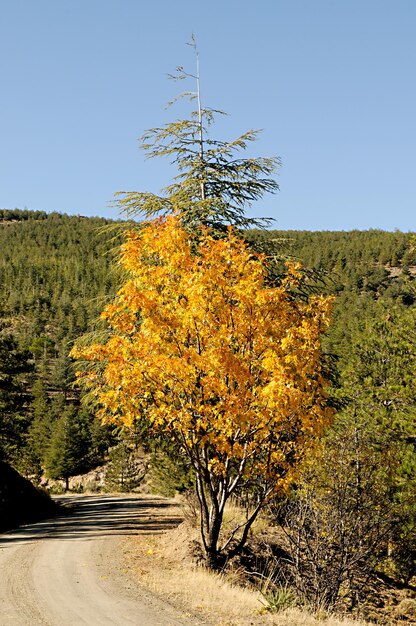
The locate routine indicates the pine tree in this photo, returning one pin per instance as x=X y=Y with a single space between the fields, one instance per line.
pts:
x=39 y=433
x=62 y=375
x=125 y=470
x=69 y=447
x=214 y=186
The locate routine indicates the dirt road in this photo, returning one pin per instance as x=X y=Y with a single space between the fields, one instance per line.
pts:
x=69 y=571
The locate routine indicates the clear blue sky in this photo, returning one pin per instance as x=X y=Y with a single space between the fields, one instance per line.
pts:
x=330 y=82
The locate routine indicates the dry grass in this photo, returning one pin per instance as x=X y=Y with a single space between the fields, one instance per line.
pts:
x=164 y=566
x=234 y=516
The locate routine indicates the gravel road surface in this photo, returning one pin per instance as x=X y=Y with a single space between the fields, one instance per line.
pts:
x=69 y=571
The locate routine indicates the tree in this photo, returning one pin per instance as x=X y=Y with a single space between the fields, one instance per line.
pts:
x=69 y=448
x=38 y=435
x=339 y=519
x=214 y=187
x=125 y=470
x=229 y=369
x=62 y=375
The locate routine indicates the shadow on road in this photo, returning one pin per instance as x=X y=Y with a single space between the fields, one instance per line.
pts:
x=89 y=517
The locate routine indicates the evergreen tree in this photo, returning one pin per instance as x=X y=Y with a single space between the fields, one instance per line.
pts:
x=69 y=447
x=214 y=185
x=102 y=436
x=38 y=435
x=125 y=470
x=62 y=373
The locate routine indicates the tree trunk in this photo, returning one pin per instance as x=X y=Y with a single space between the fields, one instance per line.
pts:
x=214 y=560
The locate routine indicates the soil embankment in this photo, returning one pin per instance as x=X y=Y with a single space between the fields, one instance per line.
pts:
x=20 y=501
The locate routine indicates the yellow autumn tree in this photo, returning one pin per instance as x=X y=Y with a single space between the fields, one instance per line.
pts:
x=227 y=367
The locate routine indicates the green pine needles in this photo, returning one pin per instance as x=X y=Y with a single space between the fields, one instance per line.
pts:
x=214 y=185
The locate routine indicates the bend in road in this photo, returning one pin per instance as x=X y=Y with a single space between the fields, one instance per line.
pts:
x=68 y=571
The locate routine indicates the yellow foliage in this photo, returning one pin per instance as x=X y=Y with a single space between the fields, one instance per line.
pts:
x=211 y=354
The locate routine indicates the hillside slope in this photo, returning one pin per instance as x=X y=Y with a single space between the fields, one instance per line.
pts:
x=20 y=502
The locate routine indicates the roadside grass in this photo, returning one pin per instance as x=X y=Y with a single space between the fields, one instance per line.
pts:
x=164 y=565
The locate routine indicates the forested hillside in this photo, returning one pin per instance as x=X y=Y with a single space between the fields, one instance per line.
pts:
x=52 y=270
x=367 y=271
x=56 y=275
x=54 y=278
